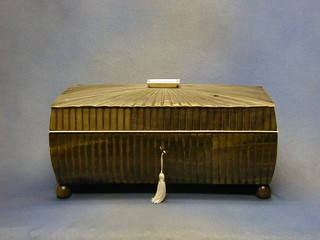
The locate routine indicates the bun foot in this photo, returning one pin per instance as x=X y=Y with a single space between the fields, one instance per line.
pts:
x=263 y=192
x=62 y=191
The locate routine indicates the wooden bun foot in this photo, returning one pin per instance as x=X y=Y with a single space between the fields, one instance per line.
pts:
x=263 y=191
x=63 y=191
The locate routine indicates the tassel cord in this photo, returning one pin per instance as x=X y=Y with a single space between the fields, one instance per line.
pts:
x=161 y=170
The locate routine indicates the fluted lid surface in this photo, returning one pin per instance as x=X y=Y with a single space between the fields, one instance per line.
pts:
x=186 y=95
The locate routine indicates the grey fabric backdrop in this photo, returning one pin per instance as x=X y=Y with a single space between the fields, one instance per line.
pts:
x=46 y=46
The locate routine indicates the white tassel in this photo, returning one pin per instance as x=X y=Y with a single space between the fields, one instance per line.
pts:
x=161 y=189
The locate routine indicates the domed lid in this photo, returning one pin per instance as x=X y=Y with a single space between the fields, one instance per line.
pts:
x=186 y=95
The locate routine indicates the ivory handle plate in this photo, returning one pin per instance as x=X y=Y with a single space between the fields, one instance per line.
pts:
x=163 y=83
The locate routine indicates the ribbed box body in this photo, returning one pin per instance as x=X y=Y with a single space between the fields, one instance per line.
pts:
x=210 y=158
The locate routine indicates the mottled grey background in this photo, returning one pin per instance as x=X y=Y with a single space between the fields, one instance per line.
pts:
x=46 y=46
